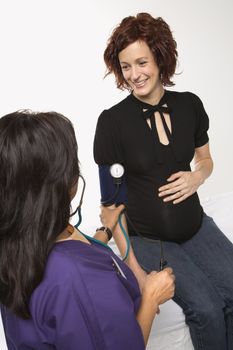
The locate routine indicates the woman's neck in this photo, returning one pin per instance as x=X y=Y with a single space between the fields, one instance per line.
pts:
x=152 y=98
x=71 y=233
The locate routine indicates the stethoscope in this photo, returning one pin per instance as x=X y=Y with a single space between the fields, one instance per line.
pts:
x=78 y=209
x=117 y=171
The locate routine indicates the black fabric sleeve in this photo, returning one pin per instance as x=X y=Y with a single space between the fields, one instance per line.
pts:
x=107 y=147
x=202 y=122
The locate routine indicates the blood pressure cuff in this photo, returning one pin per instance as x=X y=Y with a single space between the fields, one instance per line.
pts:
x=111 y=193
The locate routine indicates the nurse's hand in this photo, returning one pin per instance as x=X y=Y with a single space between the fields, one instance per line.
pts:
x=181 y=185
x=109 y=215
x=159 y=287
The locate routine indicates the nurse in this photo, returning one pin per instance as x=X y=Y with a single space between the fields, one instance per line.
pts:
x=61 y=289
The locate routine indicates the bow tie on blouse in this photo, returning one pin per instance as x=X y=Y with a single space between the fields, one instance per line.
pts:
x=149 y=114
x=156 y=108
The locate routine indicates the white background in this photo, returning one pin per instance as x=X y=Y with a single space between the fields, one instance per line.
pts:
x=51 y=59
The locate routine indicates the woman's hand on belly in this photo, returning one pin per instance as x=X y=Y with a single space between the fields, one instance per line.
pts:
x=181 y=186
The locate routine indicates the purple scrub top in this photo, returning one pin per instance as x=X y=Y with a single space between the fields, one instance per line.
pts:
x=87 y=300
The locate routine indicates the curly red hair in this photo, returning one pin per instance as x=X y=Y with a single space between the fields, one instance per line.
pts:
x=156 y=33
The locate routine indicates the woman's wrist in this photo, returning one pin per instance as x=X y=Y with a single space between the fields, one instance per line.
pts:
x=199 y=176
x=149 y=301
x=106 y=230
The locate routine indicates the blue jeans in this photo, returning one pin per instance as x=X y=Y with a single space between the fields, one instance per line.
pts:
x=203 y=267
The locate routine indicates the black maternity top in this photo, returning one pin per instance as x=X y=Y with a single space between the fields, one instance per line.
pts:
x=124 y=136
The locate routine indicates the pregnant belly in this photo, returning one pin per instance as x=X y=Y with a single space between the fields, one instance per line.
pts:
x=163 y=220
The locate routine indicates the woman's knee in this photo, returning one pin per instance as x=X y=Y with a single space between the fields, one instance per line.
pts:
x=208 y=315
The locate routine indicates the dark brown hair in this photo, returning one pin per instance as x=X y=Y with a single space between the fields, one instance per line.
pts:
x=155 y=32
x=39 y=166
